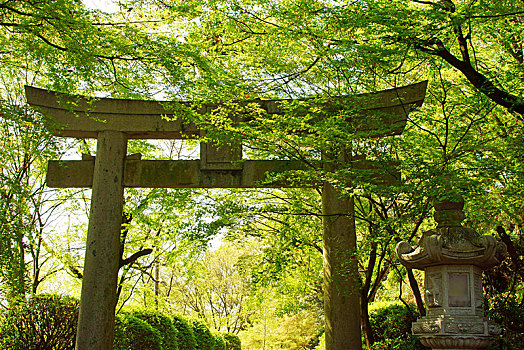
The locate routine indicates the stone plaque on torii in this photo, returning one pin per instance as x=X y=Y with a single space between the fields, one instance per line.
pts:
x=113 y=121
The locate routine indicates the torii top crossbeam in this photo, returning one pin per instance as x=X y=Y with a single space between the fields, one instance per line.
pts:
x=83 y=117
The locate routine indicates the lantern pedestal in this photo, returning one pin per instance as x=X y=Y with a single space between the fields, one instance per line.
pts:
x=455 y=318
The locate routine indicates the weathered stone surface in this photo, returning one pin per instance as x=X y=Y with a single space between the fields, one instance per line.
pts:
x=175 y=174
x=341 y=280
x=341 y=283
x=191 y=174
x=98 y=299
x=457 y=245
x=453 y=258
x=220 y=157
x=381 y=113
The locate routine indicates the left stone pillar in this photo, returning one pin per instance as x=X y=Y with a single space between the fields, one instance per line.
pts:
x=97 y=303
x=341 y=284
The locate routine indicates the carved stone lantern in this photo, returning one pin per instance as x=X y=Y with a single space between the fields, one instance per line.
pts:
x=453 y=258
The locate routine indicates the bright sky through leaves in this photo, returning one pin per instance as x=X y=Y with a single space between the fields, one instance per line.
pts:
x=102 y=5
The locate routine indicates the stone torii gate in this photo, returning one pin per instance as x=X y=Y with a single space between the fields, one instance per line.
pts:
x=113 y=121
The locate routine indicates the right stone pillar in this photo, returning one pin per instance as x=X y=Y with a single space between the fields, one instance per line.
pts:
x=453 y=258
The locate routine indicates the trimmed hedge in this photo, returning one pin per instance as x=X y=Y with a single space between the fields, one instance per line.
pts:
x=43 y=322
x=220 y=342
x=185 y=337
x=162 y=324
x=49 y=322
x=133 y=333
x=232 y=341
x=203 y=336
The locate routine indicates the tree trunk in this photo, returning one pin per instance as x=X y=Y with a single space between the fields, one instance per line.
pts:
x=364 y=295
x=366 y=324
x=416 y=292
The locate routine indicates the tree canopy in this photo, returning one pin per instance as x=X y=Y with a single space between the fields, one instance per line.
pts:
x=469 y=133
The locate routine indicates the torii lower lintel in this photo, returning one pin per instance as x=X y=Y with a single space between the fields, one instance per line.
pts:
x=191 y=174
x=112 y=122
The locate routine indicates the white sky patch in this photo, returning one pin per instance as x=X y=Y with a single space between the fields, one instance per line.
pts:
x=107 y=6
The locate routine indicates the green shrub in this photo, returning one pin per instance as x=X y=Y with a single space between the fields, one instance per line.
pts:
x=391 y=327
x=391 y=322
x=162 y=324
x=507 y=311
x=203 y=336
x=220 y=342
x=185 y=336
x=389 y=344
x=232 y=341
x=409 y=343
x=44 y=322
x=321 y=342
x=132 y=333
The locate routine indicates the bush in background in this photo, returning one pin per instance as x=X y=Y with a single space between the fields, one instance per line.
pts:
x=203 y=336
x=232 y=341
x=507 y=311
x=43 y=322
x=185 y=336
x=162 y=324
x=49 y=322
x=220 y=342
x=321 y=343
x=132 y=333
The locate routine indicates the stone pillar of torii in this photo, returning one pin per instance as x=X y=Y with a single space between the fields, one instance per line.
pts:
x=113 y=121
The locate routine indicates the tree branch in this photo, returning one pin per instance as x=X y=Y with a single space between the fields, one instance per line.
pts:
x=512 y=102
x=510 y=14
x=134 y=257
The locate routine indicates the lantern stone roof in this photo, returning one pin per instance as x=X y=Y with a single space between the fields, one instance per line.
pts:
x=451 y=243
